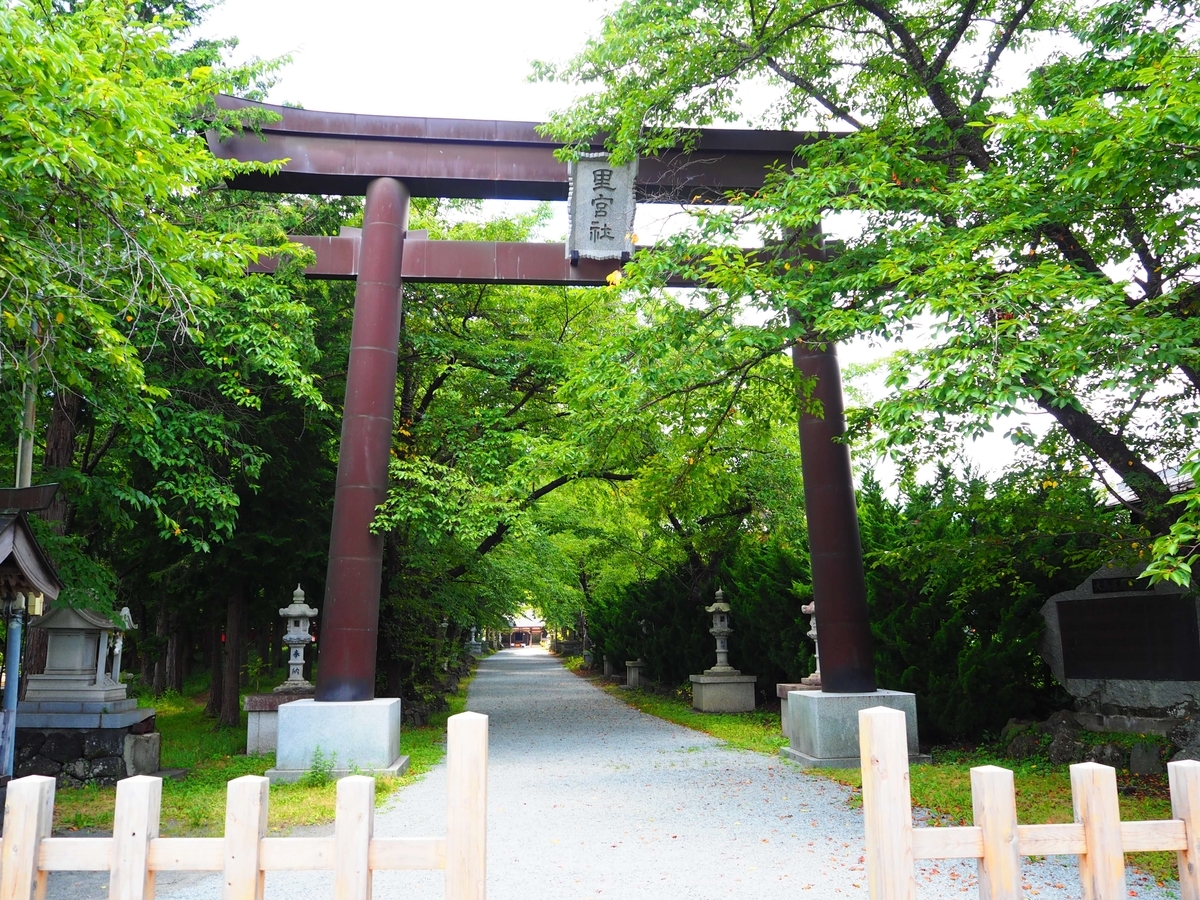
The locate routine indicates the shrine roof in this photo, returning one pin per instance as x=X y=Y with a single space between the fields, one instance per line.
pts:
x=20 y=554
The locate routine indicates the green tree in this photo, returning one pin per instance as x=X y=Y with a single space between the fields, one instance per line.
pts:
x=1040 y=233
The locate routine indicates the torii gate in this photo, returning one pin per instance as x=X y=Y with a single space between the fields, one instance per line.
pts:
x=390 y=159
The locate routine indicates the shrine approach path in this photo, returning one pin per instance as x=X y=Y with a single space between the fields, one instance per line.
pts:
x=589 y=798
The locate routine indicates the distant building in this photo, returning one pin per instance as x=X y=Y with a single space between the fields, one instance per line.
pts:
x=525 y=629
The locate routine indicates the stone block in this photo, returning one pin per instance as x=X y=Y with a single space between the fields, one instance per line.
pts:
x=108 y=769
x=781 y=691
x=723 y=693
x=1146 y=759
x=262 y=732
x=1108 y=755
x=142 y=753
x=63 y=746
x=823 y=727
x=29 y=743
x=39 y=765
x=78 y=769
x=104 y=742
x=361 y=736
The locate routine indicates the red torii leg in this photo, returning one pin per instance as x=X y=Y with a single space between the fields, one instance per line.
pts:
x=350 y=617
x=839 y=584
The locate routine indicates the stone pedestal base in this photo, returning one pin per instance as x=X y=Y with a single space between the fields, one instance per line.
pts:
x=85 y=714
x=723 y=693
x=633 y=672
x=782 y=691
x=357 y=737
x=823 y=728
x=262 y=728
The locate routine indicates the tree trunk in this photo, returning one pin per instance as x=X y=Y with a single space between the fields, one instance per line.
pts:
x=187 y=654
x=176 y=645
x=60 y=453
x=216 y=664
x=235 y=611
x=1150 y=489
x=162 y=630
x=244 y=647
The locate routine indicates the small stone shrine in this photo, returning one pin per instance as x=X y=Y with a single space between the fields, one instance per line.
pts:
x=262 y=731
x=77 y=722
x=1126 y=650
x=722 y=688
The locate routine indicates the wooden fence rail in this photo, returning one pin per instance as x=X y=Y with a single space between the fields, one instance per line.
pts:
x=1098 y=836
x=135 y=853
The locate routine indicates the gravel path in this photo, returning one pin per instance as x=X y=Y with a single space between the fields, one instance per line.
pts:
x=588 y=798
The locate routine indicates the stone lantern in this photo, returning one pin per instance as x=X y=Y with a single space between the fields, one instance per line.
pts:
x=722 y=688
x=298 y=616
x=721 y=631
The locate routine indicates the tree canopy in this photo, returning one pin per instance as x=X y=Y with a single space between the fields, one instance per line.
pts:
x=1036 y=229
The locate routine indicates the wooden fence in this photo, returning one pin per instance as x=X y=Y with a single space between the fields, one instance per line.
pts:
x=135 y=853
x=1098 y=836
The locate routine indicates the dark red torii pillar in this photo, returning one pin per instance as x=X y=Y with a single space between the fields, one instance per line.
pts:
x=835 y=547
x=351 y=611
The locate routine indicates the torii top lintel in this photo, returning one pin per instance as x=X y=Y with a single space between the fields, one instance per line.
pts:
x=341 y=153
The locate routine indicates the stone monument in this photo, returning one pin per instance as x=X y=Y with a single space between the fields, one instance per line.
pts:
x=474 y=646
x=722 y=688
x=77 y=722
x=1126 y=650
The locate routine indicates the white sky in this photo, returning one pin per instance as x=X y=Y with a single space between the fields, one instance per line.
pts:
x=453 y=59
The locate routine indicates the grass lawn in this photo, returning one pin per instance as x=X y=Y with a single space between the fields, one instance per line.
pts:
x=195 y=804
x=1043 y=790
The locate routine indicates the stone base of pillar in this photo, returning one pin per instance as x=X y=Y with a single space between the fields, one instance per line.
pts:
x=822 y=728
x=359 y=737
x=723 y=693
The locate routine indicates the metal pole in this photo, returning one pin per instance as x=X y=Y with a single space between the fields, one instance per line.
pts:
x=346 y=669
x=12 y=674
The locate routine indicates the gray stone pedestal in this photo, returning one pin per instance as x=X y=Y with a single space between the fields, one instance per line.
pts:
x=262 y=727
x=823 y=728
x=633 y=672
x=782 y=691
x=723 y=693
x=358 y=737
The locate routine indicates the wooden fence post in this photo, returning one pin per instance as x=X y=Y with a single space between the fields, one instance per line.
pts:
x=135 y=825
x=1094 y=797
x=887 y=804
x=245 y=827
x=1184 y=777
x=28 y=815
x=994 y=801
x=466 y=806
x=353 y=826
